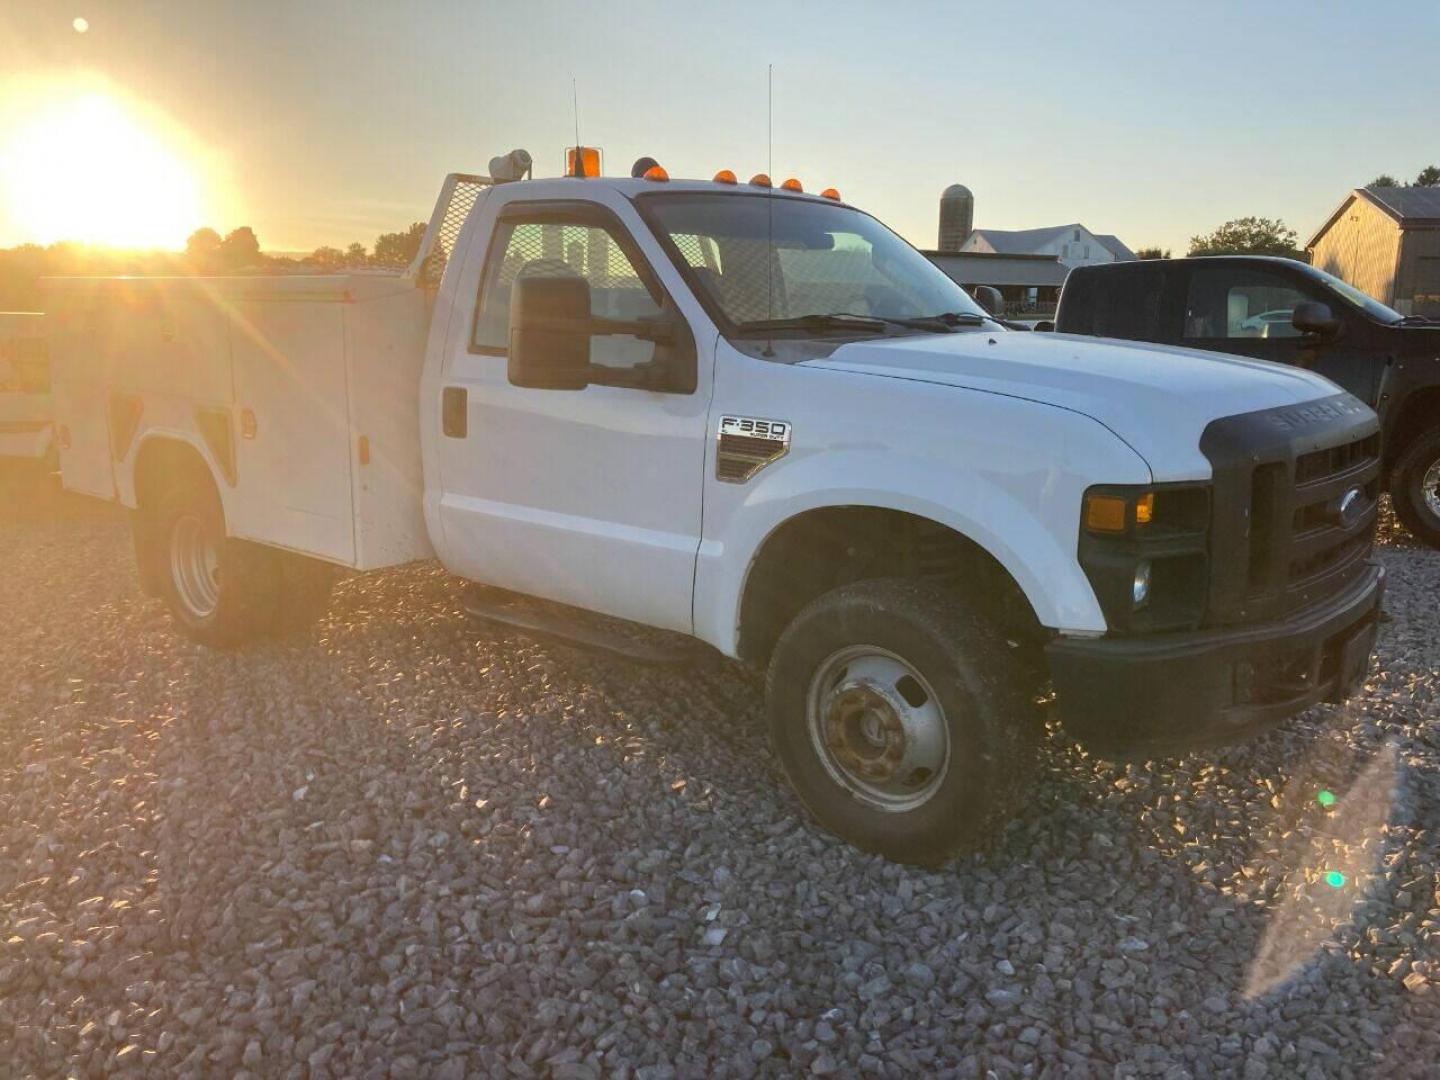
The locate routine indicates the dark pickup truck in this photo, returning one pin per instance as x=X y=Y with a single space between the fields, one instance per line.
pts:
x=1291 y=313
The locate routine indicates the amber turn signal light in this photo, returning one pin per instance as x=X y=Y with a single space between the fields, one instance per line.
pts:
x=830 y=193
x=725 y=176
x=760 y=180
x=1106 y=513
x=792 y=185
x=656 y=172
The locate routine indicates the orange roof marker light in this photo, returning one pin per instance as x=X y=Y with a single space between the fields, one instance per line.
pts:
x=656 y=172
x=830 y=193
x=792 y=185
x=760 y=180
x=725 y=176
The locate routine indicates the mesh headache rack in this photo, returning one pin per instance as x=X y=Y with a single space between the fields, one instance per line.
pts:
x=458 y=196
x=457 y=199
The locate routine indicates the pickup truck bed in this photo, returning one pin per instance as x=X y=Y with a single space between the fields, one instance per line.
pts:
x=301 y=392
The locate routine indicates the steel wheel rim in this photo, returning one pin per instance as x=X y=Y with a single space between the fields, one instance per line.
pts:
x=195 y=565
x=878 y=728
x=1430 y=488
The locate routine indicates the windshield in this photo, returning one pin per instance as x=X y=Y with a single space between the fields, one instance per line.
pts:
x=1367 y=303
x=763 y=261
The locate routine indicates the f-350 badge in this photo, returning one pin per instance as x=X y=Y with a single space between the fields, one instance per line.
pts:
x=746 y=444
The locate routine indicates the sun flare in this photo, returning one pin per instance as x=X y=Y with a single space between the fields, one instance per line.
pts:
x=90 y=169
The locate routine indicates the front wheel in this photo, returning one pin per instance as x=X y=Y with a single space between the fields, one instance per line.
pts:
x=1415 y=487
x=904 y=721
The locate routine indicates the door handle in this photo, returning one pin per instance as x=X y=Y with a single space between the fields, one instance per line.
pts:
x=455 y=412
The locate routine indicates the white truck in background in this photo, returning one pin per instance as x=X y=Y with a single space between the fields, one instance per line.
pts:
x=757 y=417
x=26 y=430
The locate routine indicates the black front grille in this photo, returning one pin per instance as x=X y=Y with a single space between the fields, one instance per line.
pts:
x=1295 y=506
x=1325 y=546
x=1319 y=465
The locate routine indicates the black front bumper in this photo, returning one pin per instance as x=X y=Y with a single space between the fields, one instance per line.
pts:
x=1173 y=691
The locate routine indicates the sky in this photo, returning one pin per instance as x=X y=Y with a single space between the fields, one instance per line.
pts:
x=319 y=122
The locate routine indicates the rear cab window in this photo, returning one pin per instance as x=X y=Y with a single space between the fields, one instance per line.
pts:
x=1126 y=302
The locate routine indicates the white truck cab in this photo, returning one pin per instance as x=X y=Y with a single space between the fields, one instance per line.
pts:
x=757 y=417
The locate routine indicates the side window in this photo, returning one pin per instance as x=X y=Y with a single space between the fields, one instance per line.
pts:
x=562 y=249
x=1229 y=304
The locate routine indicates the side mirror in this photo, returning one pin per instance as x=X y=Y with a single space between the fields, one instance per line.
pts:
x=1045 y=326
x=550 y=333
x=1313 y=317
x=990 y=298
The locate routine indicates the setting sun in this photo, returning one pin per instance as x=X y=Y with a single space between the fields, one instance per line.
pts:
x=89 y=168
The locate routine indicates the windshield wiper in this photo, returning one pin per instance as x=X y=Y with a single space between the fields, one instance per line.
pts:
x=849 y=320
x=839 y=320
x=961 y=318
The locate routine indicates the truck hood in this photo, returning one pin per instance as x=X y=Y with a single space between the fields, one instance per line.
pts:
x=1156 y=398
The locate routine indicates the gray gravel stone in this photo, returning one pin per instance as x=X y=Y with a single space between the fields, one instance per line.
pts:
x=512 y=858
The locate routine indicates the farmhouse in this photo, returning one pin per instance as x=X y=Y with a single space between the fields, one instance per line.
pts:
x=1073 y=244
x=1386 y=242
x=1028 y=266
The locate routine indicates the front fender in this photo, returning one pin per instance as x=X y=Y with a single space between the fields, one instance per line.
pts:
x=1027 y=521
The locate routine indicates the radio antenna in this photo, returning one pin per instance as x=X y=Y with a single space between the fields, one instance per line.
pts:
x=770 y=206
x=575 y=105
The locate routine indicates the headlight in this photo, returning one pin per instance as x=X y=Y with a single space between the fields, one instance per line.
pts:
x=1145 y=551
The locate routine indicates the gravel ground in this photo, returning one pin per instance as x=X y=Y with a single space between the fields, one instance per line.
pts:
x=402 y=846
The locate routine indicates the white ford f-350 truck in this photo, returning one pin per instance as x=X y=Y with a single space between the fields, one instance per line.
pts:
x=758 y=417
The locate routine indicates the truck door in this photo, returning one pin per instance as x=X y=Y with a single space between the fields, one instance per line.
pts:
x=1246 y=310
x=588 y=497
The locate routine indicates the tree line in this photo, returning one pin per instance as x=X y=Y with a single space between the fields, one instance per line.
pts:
x=1427 y=177
x=1242 y=236
x=206 y=253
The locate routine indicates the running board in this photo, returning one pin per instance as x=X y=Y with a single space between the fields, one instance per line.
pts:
x=583 y=629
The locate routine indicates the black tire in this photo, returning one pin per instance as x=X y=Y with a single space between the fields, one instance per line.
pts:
x=243 y=591
x=987 y=710
x=1416 y=474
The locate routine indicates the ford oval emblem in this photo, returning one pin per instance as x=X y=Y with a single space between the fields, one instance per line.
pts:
x=1351 y=508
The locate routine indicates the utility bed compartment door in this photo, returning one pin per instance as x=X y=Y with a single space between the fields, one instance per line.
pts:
x=293 y=464
x=78 y=374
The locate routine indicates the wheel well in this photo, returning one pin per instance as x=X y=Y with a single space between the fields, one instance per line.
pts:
x=163 y=462
x=823 y=549
x=159 y=464
x=1418 y=414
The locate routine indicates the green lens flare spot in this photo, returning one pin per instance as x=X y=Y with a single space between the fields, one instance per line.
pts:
x=1326 y=799
x=1335 y=879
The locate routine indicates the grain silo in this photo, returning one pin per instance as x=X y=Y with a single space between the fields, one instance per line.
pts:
x=957 y=216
